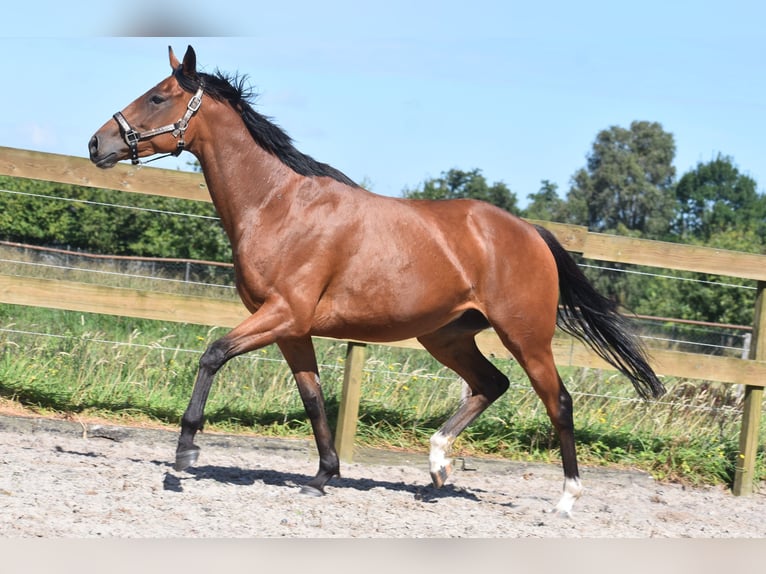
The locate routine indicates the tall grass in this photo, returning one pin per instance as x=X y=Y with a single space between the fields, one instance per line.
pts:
x=139 y=370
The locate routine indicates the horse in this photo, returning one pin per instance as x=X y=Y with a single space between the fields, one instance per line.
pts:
x=315 y=254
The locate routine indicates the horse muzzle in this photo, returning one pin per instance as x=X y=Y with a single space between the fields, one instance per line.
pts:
x=100 y=154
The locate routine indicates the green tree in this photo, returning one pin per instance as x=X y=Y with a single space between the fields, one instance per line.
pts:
x=546 y=204
x=627 y=183
x=458 y=184
x=714 y=198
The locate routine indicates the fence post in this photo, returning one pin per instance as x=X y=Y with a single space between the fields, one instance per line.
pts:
x=348 y=412
x=744 y=469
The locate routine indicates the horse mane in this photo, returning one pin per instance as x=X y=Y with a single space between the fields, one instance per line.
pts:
x=268 y=135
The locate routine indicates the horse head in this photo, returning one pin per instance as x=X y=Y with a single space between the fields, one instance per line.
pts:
x=156 y=122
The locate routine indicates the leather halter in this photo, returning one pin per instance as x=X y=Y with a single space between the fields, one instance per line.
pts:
x=132 y=137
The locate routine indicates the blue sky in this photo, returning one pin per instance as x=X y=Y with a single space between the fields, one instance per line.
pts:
x=394 y=93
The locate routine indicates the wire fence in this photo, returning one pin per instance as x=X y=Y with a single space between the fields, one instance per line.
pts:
x=374 y=369
x=216 y=279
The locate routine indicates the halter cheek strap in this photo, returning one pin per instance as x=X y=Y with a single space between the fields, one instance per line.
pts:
x=132 y=137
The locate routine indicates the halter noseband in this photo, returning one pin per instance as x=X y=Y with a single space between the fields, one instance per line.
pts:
x=132 y=137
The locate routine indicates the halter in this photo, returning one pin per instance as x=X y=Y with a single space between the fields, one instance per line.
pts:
x=132 y=137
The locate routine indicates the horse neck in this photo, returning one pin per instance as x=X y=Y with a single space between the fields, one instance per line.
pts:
x=240 y=175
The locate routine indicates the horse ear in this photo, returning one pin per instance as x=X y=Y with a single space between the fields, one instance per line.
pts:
x=174 y=63
x=190 y=63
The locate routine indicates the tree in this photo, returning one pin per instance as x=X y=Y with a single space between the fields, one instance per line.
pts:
x=458 y=184
x=714 y=198
x=546 y=204
x=627 y=183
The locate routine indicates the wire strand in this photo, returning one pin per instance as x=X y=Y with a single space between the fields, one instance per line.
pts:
x=518 y=386
x=661 y=276
x=114 y=273
x=102 y=204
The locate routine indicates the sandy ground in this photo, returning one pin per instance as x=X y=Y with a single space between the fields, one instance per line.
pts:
x=61 y=479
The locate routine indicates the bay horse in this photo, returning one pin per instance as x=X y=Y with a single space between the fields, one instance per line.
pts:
x=317 y=255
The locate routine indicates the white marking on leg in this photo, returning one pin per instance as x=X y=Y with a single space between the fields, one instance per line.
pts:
x=572 y=491
x=438 y=457
x=465 y=392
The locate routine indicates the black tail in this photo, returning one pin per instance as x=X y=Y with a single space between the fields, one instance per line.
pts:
x=594 y=319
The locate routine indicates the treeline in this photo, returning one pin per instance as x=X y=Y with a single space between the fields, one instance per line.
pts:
x=627 y=187
x=109 y=222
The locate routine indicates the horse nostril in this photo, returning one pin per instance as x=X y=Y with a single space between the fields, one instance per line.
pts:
x=93 y=145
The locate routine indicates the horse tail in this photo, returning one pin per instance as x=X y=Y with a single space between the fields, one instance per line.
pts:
x=594 y=319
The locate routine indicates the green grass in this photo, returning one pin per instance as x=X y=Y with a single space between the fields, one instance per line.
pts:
x=132 y=370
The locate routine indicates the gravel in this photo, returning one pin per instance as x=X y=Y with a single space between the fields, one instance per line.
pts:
x=63 y=479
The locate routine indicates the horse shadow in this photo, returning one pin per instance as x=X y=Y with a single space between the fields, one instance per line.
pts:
x=173 y=481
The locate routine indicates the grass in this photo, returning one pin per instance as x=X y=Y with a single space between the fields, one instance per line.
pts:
x=141 y=371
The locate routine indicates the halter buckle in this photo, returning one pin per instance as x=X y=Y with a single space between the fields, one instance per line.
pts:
x=132 y=137
x=195 y=102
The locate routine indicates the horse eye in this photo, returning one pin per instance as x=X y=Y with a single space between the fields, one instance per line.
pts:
x=156 y=99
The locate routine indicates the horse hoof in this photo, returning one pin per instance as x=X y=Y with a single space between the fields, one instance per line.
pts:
x=309 y=490
x=439 y=477
x=186 y=458
x=572 y=491
x=560 y=512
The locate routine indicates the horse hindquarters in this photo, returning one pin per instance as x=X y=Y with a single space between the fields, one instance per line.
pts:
x=519 y=294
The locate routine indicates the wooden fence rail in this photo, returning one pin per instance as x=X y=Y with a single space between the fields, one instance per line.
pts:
x=163 y=306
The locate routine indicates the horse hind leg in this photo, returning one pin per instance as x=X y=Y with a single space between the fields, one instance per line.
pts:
x=457 y=350
x=537 y=362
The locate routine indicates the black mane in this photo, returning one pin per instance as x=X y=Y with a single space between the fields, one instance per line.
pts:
x=265 y=133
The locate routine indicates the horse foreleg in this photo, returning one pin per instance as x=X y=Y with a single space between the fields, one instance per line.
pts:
x=260 y=329
x=192 y=421
x=299 y=354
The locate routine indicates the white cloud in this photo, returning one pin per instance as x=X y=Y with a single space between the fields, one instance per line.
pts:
x=37 y=136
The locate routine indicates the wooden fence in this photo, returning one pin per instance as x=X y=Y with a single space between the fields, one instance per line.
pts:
x=199 y=310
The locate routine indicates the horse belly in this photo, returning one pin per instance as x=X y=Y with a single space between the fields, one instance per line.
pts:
x=391 y=308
